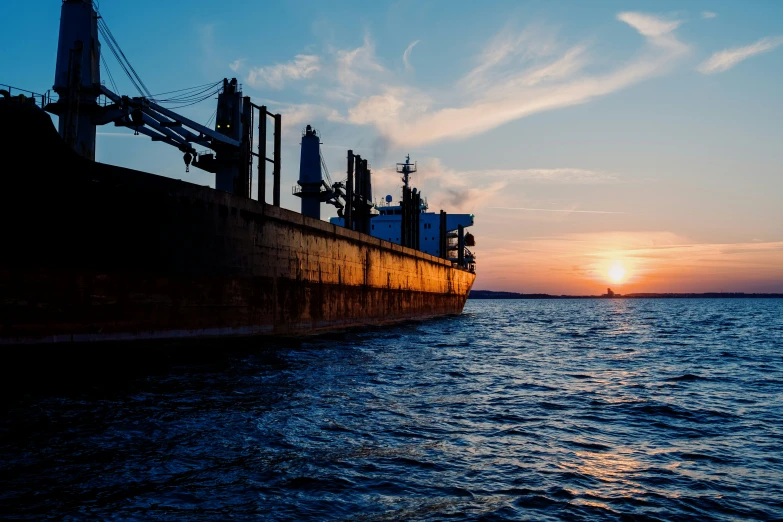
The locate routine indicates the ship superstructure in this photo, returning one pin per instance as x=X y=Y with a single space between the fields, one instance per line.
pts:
x=410 y=224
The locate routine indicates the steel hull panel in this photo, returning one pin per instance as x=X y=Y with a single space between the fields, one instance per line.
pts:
x=109 y=307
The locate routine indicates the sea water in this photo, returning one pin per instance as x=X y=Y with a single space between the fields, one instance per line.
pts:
x=610 y=409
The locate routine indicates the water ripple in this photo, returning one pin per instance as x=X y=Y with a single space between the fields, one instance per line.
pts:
x=535 y=410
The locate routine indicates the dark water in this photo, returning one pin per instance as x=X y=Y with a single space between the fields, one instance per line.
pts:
x=536 y=410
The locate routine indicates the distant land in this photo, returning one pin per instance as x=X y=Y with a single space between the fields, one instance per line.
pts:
x=489 y=294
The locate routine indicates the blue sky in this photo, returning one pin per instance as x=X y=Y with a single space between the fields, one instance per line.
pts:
x=655 y=126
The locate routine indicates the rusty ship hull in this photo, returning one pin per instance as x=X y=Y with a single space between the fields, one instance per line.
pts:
x=95 y=252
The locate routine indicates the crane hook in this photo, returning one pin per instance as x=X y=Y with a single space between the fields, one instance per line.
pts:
x=188 y=158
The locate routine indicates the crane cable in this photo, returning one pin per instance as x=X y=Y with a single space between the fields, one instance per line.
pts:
x=116 y=54
x=186 y=93
x=106 y=31
x=326 y=170
x=192 y=96
x=183 y=97
x=211 y=119
x=108 y=72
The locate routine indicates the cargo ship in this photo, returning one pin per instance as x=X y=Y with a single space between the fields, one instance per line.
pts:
x=95 y=252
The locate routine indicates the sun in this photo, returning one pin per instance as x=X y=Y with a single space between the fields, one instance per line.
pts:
x=617 y=272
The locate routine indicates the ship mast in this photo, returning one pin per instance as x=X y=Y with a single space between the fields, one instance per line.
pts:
x=406 y=169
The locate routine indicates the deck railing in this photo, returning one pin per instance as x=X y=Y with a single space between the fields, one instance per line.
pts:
x=39 y=99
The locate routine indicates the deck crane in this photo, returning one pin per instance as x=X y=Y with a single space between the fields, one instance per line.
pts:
x=78 y=84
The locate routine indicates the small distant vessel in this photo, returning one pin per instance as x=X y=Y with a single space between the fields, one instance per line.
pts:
x=95 y=252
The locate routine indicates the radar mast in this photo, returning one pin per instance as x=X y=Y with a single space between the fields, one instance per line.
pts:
x=406 y=169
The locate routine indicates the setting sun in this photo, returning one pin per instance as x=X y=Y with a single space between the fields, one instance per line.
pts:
x=617 y=272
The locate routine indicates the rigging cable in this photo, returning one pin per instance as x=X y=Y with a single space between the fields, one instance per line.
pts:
x=195 y=102
x=119 y=60
x=189 y=95
x=211 y=119
x=182 y=97
x=326 y=170
x=102 y=21
x=108 y=72
x=189 y=88
x=196 y=95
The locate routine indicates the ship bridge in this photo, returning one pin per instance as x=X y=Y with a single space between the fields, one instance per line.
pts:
x=410 y=224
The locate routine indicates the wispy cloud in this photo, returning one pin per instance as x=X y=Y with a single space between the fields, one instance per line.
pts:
x=568 y=210
x=406 y=56
x=236 y=64
x=210 y=61
x=517 y=74
x=649 y=25
x=275 y=76
x=355 y=66
x=558 y=176
x=470 y=190
x=499 y=90
x=444 y=187
x=297 y=115
x=708 y=14
x=506 y=54
x=728 y=58
x=373 y=108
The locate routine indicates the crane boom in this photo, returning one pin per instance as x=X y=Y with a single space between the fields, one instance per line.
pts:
x=77 y=82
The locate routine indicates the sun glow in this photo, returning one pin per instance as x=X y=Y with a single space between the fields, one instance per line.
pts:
x=617 y=272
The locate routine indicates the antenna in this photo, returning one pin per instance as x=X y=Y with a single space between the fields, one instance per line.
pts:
x=406 y=169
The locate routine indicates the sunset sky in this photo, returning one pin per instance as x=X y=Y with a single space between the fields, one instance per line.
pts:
x=643 y=139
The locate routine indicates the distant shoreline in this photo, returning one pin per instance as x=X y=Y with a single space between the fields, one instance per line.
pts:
x=489 y=294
